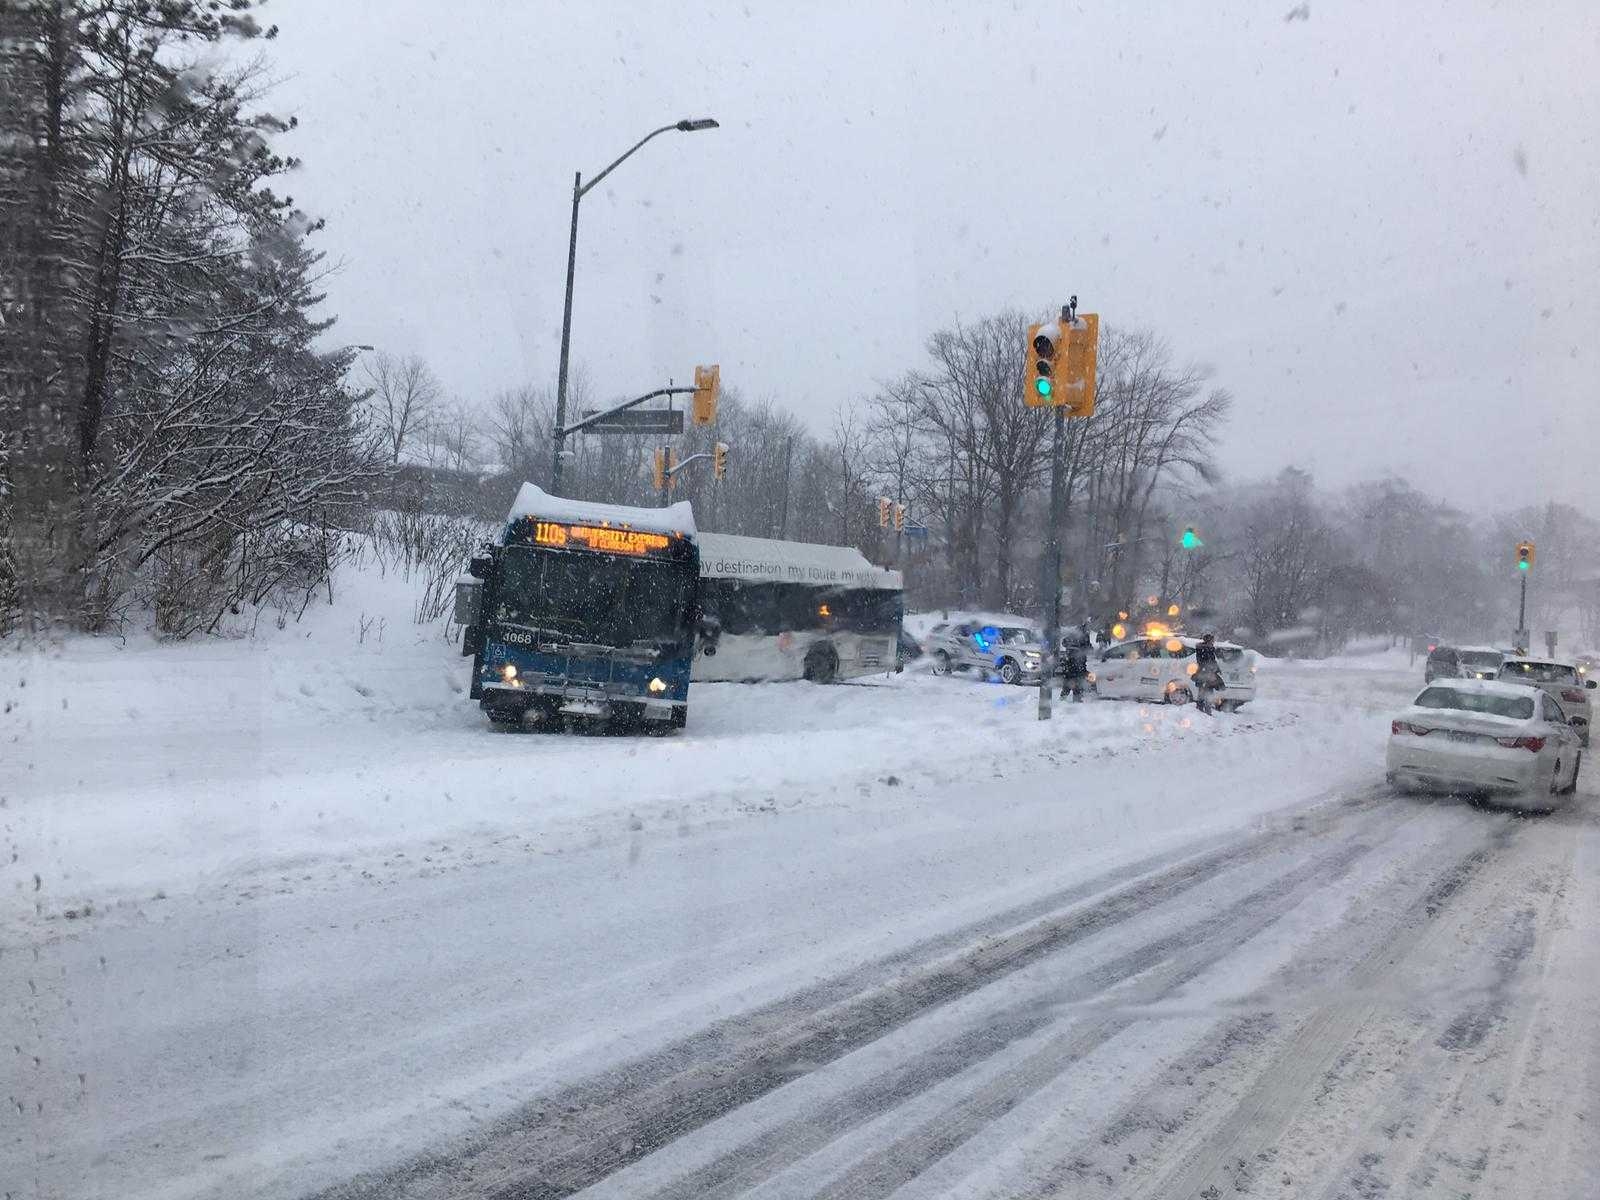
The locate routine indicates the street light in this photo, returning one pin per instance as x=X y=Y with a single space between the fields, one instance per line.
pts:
x=579 y=188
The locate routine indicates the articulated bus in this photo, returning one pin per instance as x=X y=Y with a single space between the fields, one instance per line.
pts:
x=583 y=614
x=772 y=610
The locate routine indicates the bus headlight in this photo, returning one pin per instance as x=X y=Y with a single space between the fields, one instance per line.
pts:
x=657 y=686
x=508 y=672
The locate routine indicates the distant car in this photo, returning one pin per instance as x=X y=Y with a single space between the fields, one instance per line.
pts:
x=1485 y=737
x=1479 y=662
x=1561 y=681
x=1443 y=663
x=1013 y=652
x=1161 y=668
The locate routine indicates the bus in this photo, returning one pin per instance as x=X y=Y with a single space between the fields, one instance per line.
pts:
x=583 y=615
x=773 y=610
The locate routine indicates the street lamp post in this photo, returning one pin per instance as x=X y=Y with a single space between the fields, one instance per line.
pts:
x=579 y=188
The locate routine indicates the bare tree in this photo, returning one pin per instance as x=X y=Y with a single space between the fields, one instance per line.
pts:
x=406 y=398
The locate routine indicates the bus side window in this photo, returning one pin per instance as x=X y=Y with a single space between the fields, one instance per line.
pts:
x=798 y=607
x=750 y=607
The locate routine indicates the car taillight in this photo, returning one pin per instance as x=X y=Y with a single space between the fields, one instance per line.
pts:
x=1407 y=727
x=1534 y=744
x=1571 y=696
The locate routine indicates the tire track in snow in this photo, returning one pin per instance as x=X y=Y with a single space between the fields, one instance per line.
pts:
x=559 y=1144
x=1167 y=962
x=1211 y=1146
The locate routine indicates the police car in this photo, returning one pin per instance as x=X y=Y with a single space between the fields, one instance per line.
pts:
x=1161 y=667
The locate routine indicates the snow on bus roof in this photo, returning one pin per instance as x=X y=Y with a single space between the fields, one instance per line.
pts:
x=731 y=556
x=533 y=501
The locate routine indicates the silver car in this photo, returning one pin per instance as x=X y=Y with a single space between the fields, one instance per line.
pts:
x=1561 y=681
x=1014 y=653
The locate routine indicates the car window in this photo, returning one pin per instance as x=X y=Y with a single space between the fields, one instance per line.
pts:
x=1496 y=704
x=1480 y=659
x=1122 y=650
x=1538 y=672
x=1554 y=712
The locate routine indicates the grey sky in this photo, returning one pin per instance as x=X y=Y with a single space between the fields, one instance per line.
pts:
x=1382 y=230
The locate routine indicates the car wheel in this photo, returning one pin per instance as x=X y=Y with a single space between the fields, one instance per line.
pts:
x=1572 y=784
x=1179 y=695
x=941 y=663
x=1010 y=672
x=822 y=664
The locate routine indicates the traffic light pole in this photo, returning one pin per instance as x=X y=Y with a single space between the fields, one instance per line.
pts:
x=1052 y=569
x=1522 y=608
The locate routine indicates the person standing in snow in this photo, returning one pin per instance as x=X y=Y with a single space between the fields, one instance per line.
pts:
x=1075 y=674
x=1208 y=672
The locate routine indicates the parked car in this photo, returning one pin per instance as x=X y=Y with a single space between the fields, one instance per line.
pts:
x=1160 y=668
x=1485 y=737
x=1015 y=653
x=1561 y=681
x=1479 y=662
x=1443 y=663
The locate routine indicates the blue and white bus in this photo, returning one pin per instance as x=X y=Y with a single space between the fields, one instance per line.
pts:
x=583 y=614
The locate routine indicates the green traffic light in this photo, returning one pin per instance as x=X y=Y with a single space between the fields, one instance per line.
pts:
x=1189 y=540
x=1523 y=565
x=1043 y=387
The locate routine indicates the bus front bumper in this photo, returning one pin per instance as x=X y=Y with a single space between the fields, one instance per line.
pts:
x=573 y=701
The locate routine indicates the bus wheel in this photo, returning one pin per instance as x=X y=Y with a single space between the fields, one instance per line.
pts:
x=506 y=716
x=822 y=664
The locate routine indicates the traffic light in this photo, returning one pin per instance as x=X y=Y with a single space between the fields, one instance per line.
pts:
x=707 y=387
x=899 y=518
x=1075 y=386
x=1524 y=556
x=1190 y=539
x=883 y=512
x=1042 y=352
x=658 y=469
x=719 y=459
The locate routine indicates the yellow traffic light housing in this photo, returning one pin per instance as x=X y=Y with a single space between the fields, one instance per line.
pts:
x=899 y=518
x=883 y=512
x=1524 y=556
x=707 y=387
x=719 y=459
x=1039 y=389
x=1075 y=388
x=658 y=468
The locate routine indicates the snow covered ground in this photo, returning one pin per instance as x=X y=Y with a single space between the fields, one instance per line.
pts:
x=284 y=914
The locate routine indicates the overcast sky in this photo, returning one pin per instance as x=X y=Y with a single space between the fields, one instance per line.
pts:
x=1381 y=230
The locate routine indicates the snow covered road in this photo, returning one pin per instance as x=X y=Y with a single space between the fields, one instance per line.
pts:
x=896 y=939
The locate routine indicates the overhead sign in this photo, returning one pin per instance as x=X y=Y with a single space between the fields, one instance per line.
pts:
x=639 y=420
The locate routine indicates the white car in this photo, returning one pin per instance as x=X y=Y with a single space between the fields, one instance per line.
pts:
x=1013 y=652
x=1561 y=681
x=1162 y=668
x=1485 y=737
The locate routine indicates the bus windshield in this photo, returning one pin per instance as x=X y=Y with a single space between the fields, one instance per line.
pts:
x=598 y=598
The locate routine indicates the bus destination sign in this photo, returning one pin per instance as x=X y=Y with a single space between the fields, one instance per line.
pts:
x=605 y=538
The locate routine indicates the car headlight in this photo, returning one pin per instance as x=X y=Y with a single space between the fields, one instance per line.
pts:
x=508 y=672
x=657 y=686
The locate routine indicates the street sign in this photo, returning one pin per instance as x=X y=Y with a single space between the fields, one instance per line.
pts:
x=638 y=420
